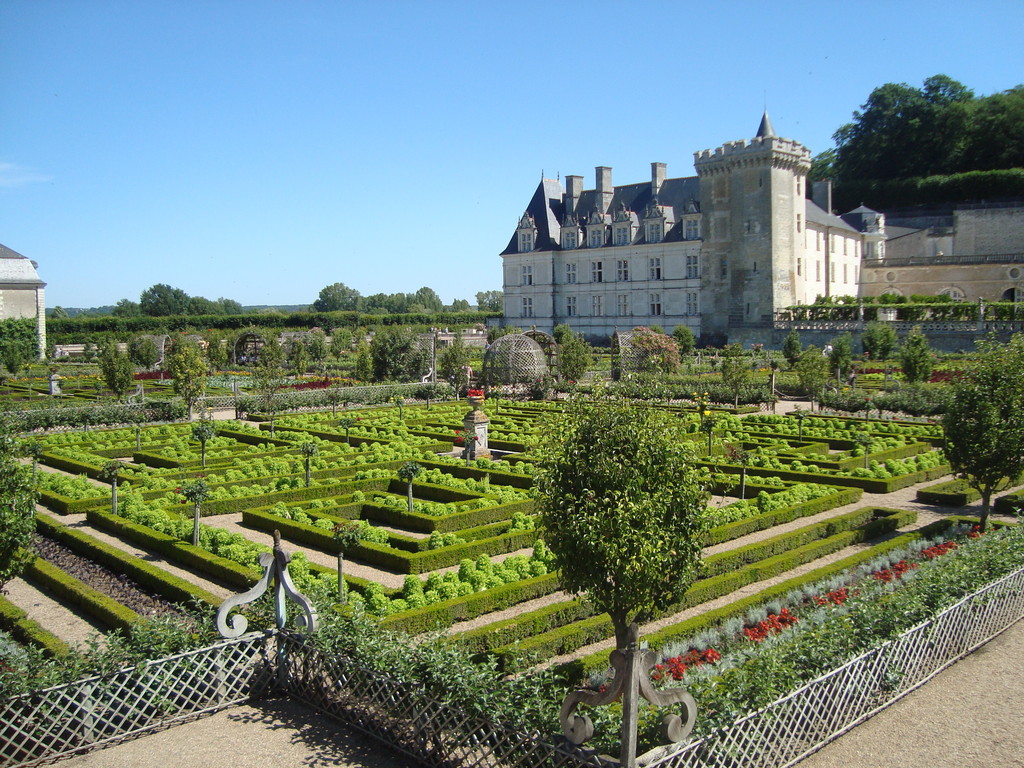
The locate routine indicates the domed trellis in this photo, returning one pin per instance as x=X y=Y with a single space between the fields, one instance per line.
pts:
x=163 y=345
x=514 y=361
x=627 y=357
x=548 y=345
x=247 y=348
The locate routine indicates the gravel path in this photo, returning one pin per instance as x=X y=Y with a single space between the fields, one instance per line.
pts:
x=67 y=624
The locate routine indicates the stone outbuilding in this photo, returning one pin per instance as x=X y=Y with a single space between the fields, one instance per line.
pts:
x=21 y=292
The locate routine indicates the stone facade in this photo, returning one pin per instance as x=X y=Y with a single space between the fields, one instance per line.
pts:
x=723 y=251
x=22 y=292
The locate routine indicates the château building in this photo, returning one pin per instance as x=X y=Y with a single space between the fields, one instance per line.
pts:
x=723 y=251
x=21 y=292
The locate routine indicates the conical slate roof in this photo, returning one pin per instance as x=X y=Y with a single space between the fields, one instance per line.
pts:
x=765 y=130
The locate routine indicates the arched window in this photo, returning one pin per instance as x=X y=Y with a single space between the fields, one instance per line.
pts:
x=954 y=293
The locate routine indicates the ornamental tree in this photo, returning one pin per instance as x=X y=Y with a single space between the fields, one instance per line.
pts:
x=622 y=505
x=574 y=356
x=879 y=340
x=17 y=510
x=916 y=356
x=202 y=432
x=791 y=347
x=117 y=370
x=409 y=472
x=309 y=449
x=984 y=422
x=812 y=371
x=111 y=473
x=267 y=377
x=736 y=371
x=188 y=368
x=197 y=492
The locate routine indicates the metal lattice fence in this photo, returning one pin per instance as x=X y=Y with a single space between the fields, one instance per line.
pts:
x=41 y=726
x=788 y=730
x=412 y=722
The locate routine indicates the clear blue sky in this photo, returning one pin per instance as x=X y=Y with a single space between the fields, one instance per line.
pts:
x=261 y=150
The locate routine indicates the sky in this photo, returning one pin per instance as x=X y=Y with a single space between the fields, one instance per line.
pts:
x=260 y=150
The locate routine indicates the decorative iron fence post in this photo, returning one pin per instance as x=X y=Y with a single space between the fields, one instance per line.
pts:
x=632 y=680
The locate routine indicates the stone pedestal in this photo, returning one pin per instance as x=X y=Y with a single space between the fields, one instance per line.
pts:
x=475 y=423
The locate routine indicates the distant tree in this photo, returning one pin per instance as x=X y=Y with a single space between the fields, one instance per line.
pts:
x=841 y=357
x=491 y=301
x=16 y=356
x=736 y=370
x=395 y=354
x=916 y=356
x=812 y=371
x=879 y=340
x=229 y=307
x=58 y=313
x=574 y=357
x=461 y=305
x=127 y=308
x=217 y=346
x=316 y=348
x=187 y=367
x=337 y=297
x=560 y=332
x=161 y=300
x=452 y=363
x=341 y=342
x=199 y=305
x=17 y=509
x=268 y=377
x=684 y=339
x=142 y=351
x=984 y=422
x=623 y=508
x=791 y=348
x=116 y=370
x=428 y=299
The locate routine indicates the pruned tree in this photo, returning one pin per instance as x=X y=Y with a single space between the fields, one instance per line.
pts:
x=188 y=369
x=812 y=371
x=736 y=370
x=879 y=340
x=685 y=339
x=116 y=370
x=268 y=377
x=407 y=473
x=916 y=356
x=791 y=348
x=574 y=357
x=203 y=432
x=308 y=449
x=196 y=492
x=984 y=422
x=622 y=507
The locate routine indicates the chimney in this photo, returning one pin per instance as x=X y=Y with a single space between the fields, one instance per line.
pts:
x=605 y=190
x=821 y=194
x=657 y=178
x=573 y=187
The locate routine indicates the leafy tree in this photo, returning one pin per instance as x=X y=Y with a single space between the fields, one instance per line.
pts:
x=428 y=299
x=461 y=305
x=229 y=307
x=17 y=510
x=161 y=300
x=916 y=356
x=879 y=340
x=736 y=371
x=574 y=357
x=126 y=308
x=684 y=339
x=812 y=371
x=203 y=432
x=268 y=377
x=198 y=305
x=188 y=369
x=58 y=313
x=407 y=473
x=197 y=492
x=217 y=350
x=111 y=473
x=622 y=506
x=396 y=355
x=316 y=348
x=341 y=342
x=841 y=357
x=791 y=347
x=298 y=358
x=142 y=351
x=491 y=301
x=347 y=534
x=984 y=422
x=452 y=363
x=364 y=363
x=116 y=370
x=337 y=297
x=560 y=332
x=309 y=449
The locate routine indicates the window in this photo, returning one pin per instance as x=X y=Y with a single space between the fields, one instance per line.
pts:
x=692 y=229
x=655 y=303
x=570 y=273
x=799 y=224
x=654 y=268
x=570 y=306
x=525 y=242
x=526 y=274
x=692 y=307
x=723 y=268
x=570 y=239
x=832 y=243
x=597 y=306
x=622 y=270
x=597 y=271
x=623 y=304
x=622 y=235
x=955 y=294
x=832 y=271
x=692 y=265
x=844 y=274
x=817 y=271
x=527 y=307
x=799 y=266
x=817 y=241
x=595 y=238
x=654 y=232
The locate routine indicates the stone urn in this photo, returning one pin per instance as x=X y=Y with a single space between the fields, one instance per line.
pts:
x=475 y=398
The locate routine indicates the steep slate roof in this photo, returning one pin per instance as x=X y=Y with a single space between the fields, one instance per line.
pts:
x=15 y=269
x=765 y=130
x=817 y=215
x=677 y=193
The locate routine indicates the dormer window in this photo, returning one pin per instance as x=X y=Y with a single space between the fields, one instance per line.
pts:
x=622 y=234
x=654 y=231
x=525 y=242
x=570 y=239
x=527 y=233
x=691 y=229
x=595 y=237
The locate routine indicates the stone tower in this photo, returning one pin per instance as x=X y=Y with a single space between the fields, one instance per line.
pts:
x=752 y=200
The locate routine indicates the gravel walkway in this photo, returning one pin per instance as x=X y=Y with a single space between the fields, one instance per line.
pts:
x=70 y=626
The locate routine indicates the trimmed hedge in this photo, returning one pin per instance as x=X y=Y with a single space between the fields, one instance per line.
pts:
x=146 y=574
x=740 y=528
x=954 y=493
x=566 y=639
x=869 y=484
x=390 y=558
x=416 y=521
x=103 y=609
x=1010 y=504
x=18 y=625
x=216 y=568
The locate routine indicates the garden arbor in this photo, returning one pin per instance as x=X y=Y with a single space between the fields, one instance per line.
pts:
x=247 y=348
x=514 y=361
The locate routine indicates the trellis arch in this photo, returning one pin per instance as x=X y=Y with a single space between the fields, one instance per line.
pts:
x=247 y=348
x=513 y=361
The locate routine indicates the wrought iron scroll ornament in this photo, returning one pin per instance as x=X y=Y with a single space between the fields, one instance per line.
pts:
x=632 y=676
x=275 y=567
